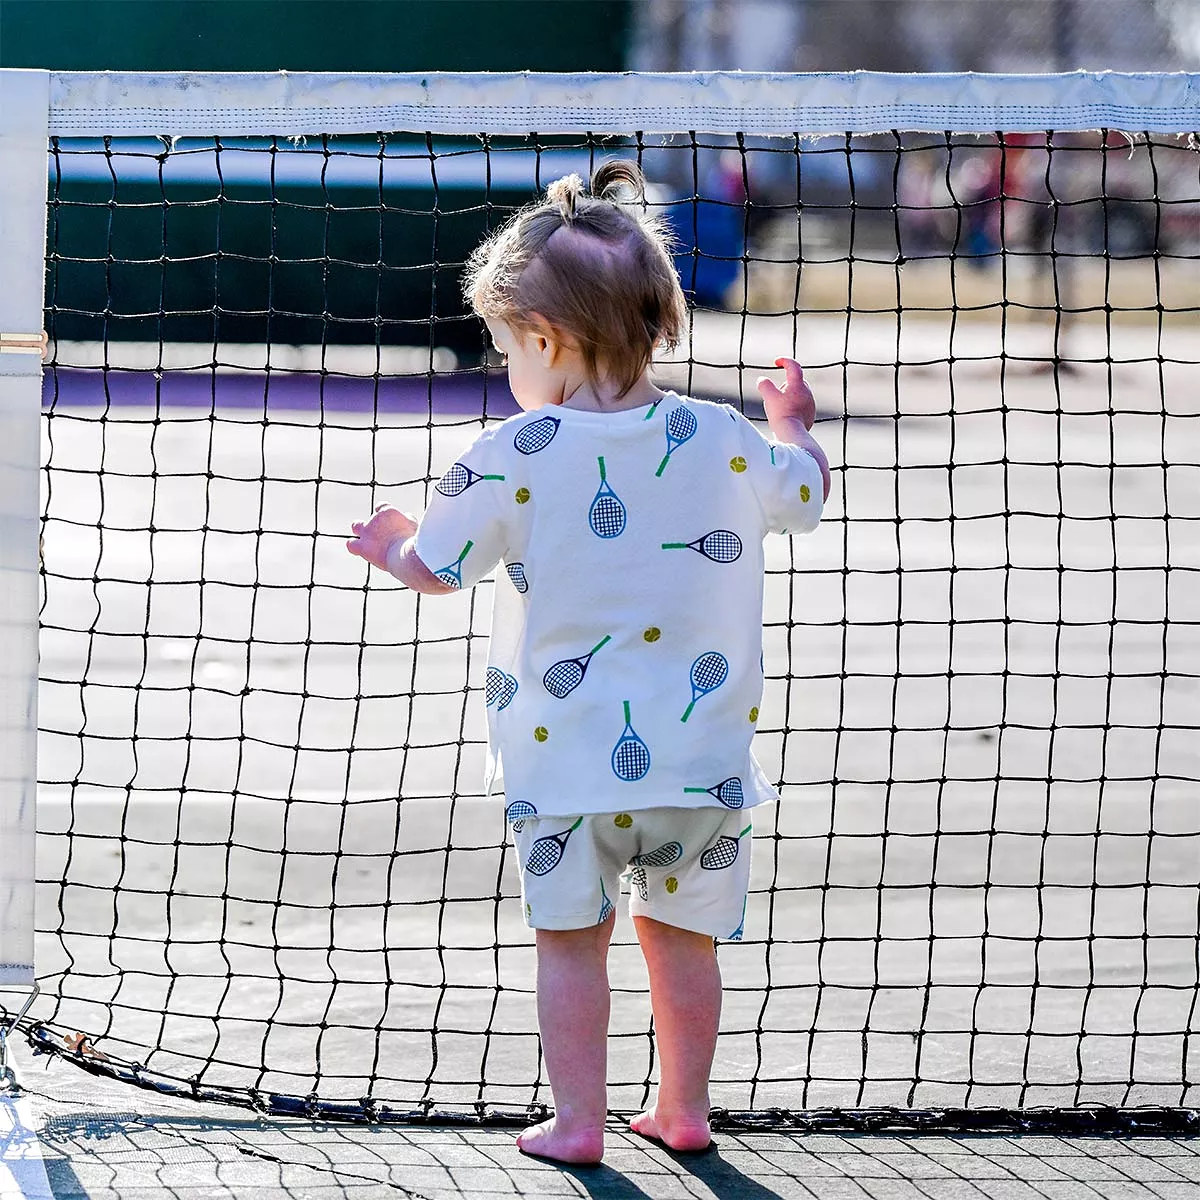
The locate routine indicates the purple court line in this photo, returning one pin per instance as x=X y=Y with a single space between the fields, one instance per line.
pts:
x=83 y=387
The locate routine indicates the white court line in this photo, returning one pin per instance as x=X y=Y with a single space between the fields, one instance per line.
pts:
x=22 y=1171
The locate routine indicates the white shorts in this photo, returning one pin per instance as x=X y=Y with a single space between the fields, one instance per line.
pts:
x=687 y=867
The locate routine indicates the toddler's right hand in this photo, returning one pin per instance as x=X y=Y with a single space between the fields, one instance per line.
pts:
x=374 y=538
x=793 y=400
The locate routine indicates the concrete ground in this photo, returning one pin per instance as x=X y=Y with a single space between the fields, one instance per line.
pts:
x=68 y=1136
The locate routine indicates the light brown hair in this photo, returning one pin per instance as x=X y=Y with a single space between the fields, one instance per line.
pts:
x=596 y=268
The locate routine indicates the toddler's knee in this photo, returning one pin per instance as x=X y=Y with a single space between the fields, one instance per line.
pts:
x=566 y=941
x=659 y=932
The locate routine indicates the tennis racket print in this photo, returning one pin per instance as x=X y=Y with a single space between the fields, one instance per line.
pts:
x=516 y=813
x=666 y=855
x=681 y=425
x=499 y=688
x=452 y=574
x=516 y=572
x=537 y=435
x=718 y=545
x=606 y=905
x=709 y=671
x=728 y=791
x=736 y=935
x=546 y=853
x=639 y=879
x=460 y=477
x=723 y=852
x=567 y=674
x=607 y=514
x=630 y=756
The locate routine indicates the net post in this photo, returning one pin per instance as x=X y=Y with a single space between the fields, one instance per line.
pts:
x=24 y=125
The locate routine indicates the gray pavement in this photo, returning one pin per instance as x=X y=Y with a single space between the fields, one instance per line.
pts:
x=108 y=1141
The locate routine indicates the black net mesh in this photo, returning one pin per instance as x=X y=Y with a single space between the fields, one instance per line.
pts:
x=267 y=872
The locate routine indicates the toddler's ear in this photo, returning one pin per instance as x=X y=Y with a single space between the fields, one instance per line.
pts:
x=550 y=340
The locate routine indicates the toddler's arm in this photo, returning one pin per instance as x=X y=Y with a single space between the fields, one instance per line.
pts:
x=388 y=541
x=791 y=411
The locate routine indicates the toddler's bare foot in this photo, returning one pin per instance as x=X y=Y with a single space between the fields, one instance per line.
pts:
x=547 y=1140
x=679 y=1133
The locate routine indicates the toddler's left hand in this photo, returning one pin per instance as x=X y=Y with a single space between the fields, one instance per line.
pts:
x=374 y=538
x=792 y=401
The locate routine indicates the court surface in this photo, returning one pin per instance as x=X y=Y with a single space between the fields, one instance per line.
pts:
x=274 y=682
x=97 y=1140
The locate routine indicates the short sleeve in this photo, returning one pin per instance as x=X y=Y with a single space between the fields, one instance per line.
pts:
x=463 y=534
x=787 y=481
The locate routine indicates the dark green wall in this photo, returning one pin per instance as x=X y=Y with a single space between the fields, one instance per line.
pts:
x=315 y=35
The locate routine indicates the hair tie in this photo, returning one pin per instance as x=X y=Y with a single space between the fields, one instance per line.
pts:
x=565 y=192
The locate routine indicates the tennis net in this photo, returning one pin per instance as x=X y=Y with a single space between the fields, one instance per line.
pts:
x=266 y=872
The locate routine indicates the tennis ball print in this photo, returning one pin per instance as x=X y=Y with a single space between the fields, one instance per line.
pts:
x=522 y=495
x=671 y=884
x=622 y=820
x=652 y=634
x=805 y=493
x=753 y=714
x=541 y=733
x=737 y=464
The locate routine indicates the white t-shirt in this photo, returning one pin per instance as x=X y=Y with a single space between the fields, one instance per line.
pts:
x=625 y=669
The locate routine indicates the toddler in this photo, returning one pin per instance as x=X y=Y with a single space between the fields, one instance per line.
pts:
x=625 y=667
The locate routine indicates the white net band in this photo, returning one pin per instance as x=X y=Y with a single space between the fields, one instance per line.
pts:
x=182 y=104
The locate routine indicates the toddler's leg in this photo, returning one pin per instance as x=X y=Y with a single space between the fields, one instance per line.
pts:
x=572 y=1006
x=685 y=993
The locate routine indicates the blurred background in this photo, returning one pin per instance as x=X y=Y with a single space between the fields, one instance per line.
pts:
x=748 y=215
x=601 y=35
x=915 y=35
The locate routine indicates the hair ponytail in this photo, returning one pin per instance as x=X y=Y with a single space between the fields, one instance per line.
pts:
x=619 y=180
x=565 y=193
x=608 y=286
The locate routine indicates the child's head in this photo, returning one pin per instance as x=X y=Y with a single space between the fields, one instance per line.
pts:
x=595 y=272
